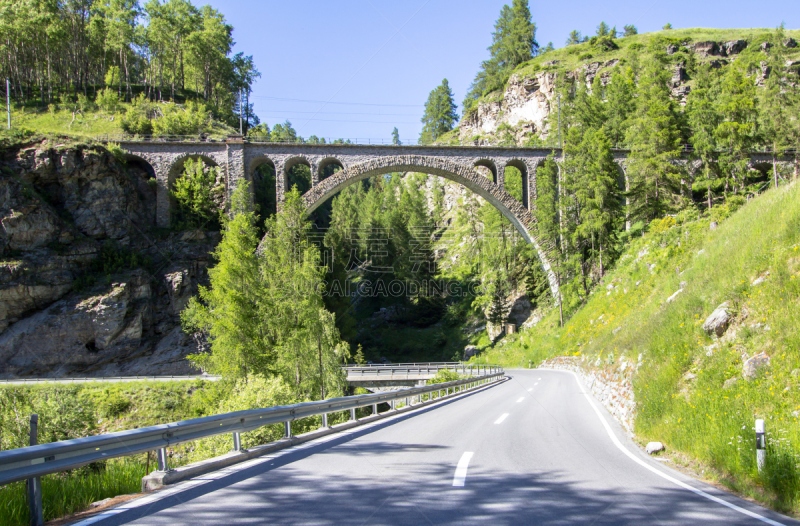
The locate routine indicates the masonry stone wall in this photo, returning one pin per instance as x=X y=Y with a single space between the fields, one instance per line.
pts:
x=239 y=160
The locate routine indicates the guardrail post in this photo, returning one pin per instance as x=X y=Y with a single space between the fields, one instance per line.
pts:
x=419 y=398
x=237 y=441
x=287 y=429
x=352 y=414
x=35 y=483
x=324 y=419
x=161 y=459
x=374 y=409
x=761 y=444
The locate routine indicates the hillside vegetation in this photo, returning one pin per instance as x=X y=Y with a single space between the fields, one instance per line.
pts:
x=645 y=321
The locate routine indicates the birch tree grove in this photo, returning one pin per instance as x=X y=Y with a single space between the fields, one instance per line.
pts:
x=165 y=49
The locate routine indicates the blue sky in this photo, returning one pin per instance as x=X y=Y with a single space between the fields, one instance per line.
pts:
x=356 y=69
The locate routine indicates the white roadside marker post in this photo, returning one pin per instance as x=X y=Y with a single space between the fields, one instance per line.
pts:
x=761 y=444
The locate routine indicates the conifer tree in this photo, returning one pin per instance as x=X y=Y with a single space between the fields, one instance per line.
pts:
x=620 y=103
x=654 y=140
x=703 y=121
x=513 y=42
x=737 y=130
x=440 y=113
x=778 y=102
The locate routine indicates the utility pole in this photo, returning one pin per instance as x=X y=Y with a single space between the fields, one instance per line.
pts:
x=8 y=101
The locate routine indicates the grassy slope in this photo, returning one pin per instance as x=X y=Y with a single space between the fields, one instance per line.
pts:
x=572 y=57
x=679 y=385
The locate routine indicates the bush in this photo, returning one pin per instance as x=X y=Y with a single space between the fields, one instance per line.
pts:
x=253 y=392
x=138 y=117
x=198 y=196
x=606 y=43
x=108 y=100
x=657 y=226
x=191 y=120
x=444 y=375
x=114 y=405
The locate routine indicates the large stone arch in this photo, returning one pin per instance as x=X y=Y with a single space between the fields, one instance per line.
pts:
x=511 y=209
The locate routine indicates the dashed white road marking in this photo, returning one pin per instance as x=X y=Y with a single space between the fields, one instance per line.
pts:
x=502 y=417
x=461 y=469
x=537 y=383
x=521 y=398
x=531 y=389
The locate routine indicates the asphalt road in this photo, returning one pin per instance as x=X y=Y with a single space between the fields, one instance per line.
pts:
x=532 y=450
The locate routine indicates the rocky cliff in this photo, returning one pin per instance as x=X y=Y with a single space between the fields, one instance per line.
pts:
x=88 y=285
x=522 y=110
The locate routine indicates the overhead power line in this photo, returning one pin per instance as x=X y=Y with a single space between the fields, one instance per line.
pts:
x=340 y=103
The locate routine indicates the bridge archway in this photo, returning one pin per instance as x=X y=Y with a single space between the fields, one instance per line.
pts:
x=467 y=176
x=328 y=166
x=489 y=165
x=292 y=176
x=524 y=180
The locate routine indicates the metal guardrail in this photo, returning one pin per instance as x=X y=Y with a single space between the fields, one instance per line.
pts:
x=89 y=379
x=34 y=461
x=390 y=370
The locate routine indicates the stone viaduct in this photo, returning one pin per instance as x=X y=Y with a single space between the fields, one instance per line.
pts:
x=239 y=159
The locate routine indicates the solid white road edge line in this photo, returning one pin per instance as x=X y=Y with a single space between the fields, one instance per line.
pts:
x=502 y=417
x=672 y=479
x=461 y=469
x=521 y=398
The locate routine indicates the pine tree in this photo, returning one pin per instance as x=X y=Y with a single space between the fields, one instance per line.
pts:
x=230 y=310
x=703 y=121
x=630 y=30
x=620 y=104
x=396 y=137
x=736 y=132
x=440 y=113
x=575 y=38
x=778 y=102
x=654 y=140
x=513 y=42
x=603 y=30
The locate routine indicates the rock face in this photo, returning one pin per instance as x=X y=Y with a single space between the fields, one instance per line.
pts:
x=734 y=47
x=71 y=217
x=525 y=104
x=719 y=320
x=705 y=49
x=470 y=351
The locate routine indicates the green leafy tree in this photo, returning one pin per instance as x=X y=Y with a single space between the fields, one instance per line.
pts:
x=396 y=137
x=440 y=114
x=198 y=195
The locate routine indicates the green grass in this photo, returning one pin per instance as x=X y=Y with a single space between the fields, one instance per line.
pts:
x=86 y=124
x=692 y=413
x=67 y=493
x=570 y=56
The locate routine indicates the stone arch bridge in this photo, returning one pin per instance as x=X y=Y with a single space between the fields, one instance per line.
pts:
x=239 y=159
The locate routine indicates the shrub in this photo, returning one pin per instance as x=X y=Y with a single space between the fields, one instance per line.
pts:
x=138 y=117
x=662 y=225
x=444 y=375
x=114 y=404
x=198 y=195
x=108 y=100
x=191 y=120
x=253 y=392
